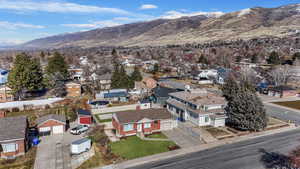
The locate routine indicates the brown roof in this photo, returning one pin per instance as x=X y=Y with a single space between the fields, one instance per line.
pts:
x=12 y=128
x=56 y=117
x=137 y=115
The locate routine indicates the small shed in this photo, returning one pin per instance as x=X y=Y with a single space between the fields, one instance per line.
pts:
x=51 y=124
x=80 y=146
x=84 y=117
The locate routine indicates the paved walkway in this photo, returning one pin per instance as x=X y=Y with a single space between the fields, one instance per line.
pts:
x=206 y=136
x=49 y=153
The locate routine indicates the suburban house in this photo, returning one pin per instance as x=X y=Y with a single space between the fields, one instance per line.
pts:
x=51 y=124
x=161 y=94
x=13 y=136
x=84 y=117
x=282 y=91
x=76 y=74
x=147 y=121
x=208 y=73
x=198 y=106
x=3 y=76
x=118 y=95
x=172 y=84
x=105 y=81
x=73 y=89
x=6 y=94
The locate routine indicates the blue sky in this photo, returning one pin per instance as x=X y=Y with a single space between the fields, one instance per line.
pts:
x=24 y=20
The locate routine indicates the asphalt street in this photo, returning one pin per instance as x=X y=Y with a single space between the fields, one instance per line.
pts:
x=256 y=153
x=283 y=114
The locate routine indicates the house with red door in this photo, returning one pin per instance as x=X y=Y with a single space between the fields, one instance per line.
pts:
x=147 y=121
x=84 y=117
x=13 y=136
x=51 y=124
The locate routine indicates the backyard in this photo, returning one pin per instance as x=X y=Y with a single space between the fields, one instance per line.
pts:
x=23 y=162
x=133 y=147
x=290 y=104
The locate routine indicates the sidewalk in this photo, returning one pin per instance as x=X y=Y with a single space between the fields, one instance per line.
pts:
x=180 y=152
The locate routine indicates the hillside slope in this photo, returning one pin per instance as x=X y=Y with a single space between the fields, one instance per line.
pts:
x=245 y=24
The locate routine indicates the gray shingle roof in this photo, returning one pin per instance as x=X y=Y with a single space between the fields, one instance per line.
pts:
x=12 y=128
x=56 y=117
x=137 y=115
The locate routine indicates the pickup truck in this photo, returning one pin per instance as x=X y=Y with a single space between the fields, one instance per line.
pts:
x=79 y=129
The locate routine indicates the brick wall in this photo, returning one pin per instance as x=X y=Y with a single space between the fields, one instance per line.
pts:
x=74 y=90
x=21 y=150
x=155 y=126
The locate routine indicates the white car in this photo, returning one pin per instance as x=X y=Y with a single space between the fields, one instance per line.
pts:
x=79 y=129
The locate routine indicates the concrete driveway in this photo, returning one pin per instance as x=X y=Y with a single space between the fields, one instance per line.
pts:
x=54 y=151
x=184 y=135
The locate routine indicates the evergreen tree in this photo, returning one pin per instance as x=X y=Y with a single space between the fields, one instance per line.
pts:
x=245 y=110
x=136 y=75
x=57 y=64
x=254 y=58
x=26 y=75
x=296 y=56
x=274 y=58
x=115 y=83
x=203 y=59
x=115 y=56
x=155 y=68
x=124 y=78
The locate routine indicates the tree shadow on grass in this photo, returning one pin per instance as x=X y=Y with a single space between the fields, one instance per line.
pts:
x=274 y=160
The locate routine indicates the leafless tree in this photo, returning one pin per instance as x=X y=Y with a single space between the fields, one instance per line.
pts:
x=281 y=75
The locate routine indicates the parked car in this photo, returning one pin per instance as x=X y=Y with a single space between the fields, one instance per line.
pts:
x=79 y=129
x=80 y=146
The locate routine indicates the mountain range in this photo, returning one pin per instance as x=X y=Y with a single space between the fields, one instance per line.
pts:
x=245 y=24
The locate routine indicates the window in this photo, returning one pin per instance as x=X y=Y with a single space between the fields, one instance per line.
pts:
x=128 y=127
x=147 y=125
x=7 y=148
x=206 y=119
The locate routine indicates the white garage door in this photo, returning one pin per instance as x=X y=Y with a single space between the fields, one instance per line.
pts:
x=45 y=129
x=58 y=129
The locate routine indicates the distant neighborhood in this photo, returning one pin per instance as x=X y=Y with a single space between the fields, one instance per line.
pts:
x=89 y=115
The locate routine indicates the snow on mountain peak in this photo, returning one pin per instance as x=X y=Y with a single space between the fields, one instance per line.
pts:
x=244 y=12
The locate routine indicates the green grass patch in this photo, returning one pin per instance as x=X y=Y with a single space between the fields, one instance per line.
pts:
x=157 y=135
x=105 y=120
x=133 y=147
x=215 y=132
x=290 y=104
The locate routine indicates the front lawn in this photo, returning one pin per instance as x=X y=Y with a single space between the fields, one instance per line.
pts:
x=134 y=147
x=157 y=135
x=22 y=162
x=216 y=132
x=290 y=104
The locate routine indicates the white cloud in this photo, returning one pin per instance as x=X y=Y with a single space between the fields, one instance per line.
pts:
x=10 y=25
x=57 y=7
x=10 y=42
x=93 y=25
x=177 y=14
x=148 y=6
